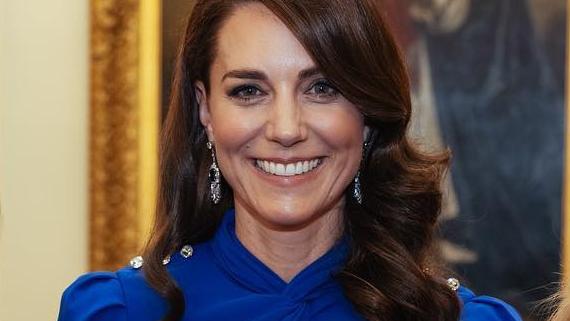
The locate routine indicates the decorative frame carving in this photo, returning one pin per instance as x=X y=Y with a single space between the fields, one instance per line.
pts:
x=124 y=109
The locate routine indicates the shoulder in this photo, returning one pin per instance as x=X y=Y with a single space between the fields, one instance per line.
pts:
x=485 y=308
x=101 y=296
x=93 y=296
x=125 y=294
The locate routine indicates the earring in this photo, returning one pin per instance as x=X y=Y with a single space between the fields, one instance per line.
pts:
x=214 y=177
x=356 y=191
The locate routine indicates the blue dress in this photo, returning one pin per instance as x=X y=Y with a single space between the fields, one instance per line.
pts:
x=221 y=280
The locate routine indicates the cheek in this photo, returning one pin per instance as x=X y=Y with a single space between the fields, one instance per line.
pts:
x=341 y=127
x=233 y=127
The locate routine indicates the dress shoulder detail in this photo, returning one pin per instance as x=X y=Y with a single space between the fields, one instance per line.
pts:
x=123 y=295
x=485 y=308
x=138 y=261
x=96 y=296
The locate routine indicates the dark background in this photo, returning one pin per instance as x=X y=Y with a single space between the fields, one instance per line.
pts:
x=175 y=14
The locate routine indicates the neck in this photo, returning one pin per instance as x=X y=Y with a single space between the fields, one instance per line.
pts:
x=287 y=251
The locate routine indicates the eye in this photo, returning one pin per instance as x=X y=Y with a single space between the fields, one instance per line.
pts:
x=322 y=90
x=246 y=93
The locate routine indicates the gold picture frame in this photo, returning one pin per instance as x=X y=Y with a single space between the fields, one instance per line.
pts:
x=124 y=127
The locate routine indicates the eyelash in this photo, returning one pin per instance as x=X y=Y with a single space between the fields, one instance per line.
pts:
x=332 y=91
x=240 y=93
x=247 y=93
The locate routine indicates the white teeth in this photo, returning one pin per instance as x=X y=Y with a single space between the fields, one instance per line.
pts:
x=271 y=167
x=279 y=169
x=290 y=169
x=299 y=167
x=266 y=166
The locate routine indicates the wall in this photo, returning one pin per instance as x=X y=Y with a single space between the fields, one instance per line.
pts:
x=43 y=153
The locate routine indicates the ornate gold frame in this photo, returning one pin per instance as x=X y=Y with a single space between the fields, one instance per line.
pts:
x=124 y=115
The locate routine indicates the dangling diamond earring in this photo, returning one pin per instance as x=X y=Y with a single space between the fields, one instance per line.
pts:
x=356 y=191
x=214 y=177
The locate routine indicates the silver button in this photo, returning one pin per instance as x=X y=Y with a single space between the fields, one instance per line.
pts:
x=453 y=284
x=136 y=262
x=186 y=251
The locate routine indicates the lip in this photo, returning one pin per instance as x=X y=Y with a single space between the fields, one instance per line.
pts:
x=288 y=181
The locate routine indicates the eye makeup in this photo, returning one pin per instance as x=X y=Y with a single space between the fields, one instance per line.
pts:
x=246 y=93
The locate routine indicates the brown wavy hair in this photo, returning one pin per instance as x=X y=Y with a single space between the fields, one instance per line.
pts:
x=558 y=304
x=391 y=232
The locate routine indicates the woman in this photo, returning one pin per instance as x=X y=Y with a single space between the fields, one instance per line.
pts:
x=289 y=190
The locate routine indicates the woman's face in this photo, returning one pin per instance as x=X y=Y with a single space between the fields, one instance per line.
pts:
x=286 y=141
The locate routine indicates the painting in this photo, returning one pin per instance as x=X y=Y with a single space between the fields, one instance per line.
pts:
x=488 y=82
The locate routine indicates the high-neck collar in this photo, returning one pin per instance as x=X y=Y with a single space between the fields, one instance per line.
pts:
x=253 y=274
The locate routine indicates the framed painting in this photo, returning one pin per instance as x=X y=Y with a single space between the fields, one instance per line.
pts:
x=488 y=82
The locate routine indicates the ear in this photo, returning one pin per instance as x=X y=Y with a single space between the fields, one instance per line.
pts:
x=204 y=110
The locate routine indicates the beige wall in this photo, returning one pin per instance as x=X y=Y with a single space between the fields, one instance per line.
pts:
x=43 y=153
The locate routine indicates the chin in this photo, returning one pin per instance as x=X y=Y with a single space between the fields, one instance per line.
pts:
x=287 y=216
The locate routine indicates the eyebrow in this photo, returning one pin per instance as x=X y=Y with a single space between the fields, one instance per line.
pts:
x=259 y=75
x=245 y=74
x=308 y=73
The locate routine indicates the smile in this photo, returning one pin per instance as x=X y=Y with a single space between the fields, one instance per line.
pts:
x=290 y=169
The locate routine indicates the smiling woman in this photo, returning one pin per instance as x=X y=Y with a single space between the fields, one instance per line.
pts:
x=289 y=189
x=270 y=111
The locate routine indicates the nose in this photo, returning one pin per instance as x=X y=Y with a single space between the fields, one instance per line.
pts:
x=285 y=124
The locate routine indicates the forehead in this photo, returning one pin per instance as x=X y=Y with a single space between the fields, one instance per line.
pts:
x=253 y=37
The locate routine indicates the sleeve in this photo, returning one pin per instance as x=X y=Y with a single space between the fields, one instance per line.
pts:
x=485 y=308
x=94 y=297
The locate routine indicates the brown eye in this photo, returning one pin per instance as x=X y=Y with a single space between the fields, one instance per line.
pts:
x=246 y=94
x=245 y=91
x=322 y=90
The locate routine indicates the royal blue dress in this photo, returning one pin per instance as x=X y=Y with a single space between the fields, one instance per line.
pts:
x=222 y=280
